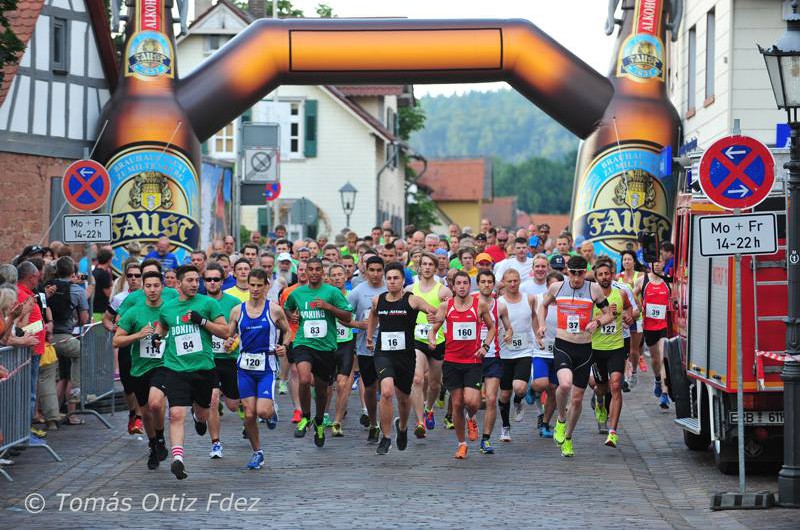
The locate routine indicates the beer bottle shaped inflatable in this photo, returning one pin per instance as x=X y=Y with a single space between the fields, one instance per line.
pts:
x=148 y=145
x=620 y=186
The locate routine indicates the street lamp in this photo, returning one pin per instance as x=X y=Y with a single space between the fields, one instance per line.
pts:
x=783 y=67
x=348 y=194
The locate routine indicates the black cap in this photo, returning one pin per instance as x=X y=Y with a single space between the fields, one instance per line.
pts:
x=557 y=262
x=30 y=250
x=480 y=237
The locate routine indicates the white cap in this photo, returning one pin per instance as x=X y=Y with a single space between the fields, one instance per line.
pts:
x=284 y=256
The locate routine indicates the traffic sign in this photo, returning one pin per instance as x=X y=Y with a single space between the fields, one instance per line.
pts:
x=737 y=172
x=87 y=228
x=86 y=185
x=273 y=191
x=729 y=235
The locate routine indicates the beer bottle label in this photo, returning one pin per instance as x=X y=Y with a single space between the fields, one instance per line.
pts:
x=622 y=193
x=154 y=192
x=641 y=56
x=149 y=52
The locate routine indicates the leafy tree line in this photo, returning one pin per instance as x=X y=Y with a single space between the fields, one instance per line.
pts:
x=541 y=185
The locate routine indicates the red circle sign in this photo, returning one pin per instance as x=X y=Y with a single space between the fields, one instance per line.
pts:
x=737 y=172
x=273 y=191
x=86 y=185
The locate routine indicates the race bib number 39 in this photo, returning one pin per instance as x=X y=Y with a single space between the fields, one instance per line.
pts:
x=188 y=343
x=315 y=329
x=464 y=331
x=656 y=311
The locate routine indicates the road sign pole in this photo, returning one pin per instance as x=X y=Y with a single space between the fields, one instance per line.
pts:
x=739 y=379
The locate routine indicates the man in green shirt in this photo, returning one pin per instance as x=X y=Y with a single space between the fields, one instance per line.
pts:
x=225 y=355
x=190 y=374
x=135 y=330
x=314 y=348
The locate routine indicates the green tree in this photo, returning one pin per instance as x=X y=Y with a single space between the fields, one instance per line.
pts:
x=10 y=45
x=541 y=185
x=420 y=209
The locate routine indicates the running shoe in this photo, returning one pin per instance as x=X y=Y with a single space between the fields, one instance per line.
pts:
x=43 y=434
x=383 y=446
x=461 y=453
x=486 y=447
x=356 y=377
x=626 y=387
x=472 y=429
x=430 y=420
x=601 y=413
x=131 y=424
x=374 y=434
x=326 y=421
x=657 y=389
x=419 y=431
x=539 y=421
x=634 y=378
x=283 y=387
x=272 y=421
x=664 y=401
x=302 y=427
x=440 y=402
x=530 y=396
x=336 y=429
x=546 y=431
x=612 y=439
x=566 y=448
x=505 y=434
x=401 y=438
x=297 y=416
x=161 y=450
x=138 y=426
x=519 y=411
x=642 y=364
x=200 y=427
x=216 y=450
x=448 y=423
x=319 y=433
x=256 y=461
x=178 y=469
x=364 y=420
x=560 y=433
x=152 y=459
x=240 y=412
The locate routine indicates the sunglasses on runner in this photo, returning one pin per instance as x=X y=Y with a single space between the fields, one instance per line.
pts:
x=577 y=271
x=213 y=279
x=133 y=275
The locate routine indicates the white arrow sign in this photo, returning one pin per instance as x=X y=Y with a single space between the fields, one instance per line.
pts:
x=730 y=152
x=86 y=172
x=741 y=192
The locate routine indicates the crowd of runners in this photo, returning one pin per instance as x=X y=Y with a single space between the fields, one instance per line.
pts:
x=427 y=328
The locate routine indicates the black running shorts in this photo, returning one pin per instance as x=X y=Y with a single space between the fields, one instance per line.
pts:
x=574 y=357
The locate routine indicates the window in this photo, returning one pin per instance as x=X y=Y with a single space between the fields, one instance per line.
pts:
x=60 y=51
x=212 y=43
x=691 y=75
x=294 y=129
x=224 y=141
x=710 y=39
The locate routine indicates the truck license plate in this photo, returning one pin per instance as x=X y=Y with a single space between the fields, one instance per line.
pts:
x=758 y=417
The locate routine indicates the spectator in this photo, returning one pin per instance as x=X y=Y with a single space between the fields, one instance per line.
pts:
x=134 y=251
x=34 y=323
x=668 y=258
x=103 y=283
x=162 y=254
x=171 y=278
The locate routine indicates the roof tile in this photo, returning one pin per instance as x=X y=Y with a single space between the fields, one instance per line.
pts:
x=455 y=179
x=23 y=22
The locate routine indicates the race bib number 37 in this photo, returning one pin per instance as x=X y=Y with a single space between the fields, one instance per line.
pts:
x=573 y=324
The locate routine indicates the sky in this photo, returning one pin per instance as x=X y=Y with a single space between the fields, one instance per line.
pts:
x=576 y=24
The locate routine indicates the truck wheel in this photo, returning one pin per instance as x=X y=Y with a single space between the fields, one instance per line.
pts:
x=699 y=442
x=678 y=383
x=725 y=457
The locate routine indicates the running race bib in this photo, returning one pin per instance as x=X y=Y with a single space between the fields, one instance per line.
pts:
x=315 y=329
x=573 y=324
x=656 y=311
x=341 y=331
x=147 y=351
x=609 y=329
x=464 y=331
x=518 y=342
x=393 y=340
x=421 y=331
x=217 y=344
x=188 y=343
x=548 y=345
x=253 y=361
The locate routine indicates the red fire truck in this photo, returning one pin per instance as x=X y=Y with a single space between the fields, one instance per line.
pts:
x=701 y=353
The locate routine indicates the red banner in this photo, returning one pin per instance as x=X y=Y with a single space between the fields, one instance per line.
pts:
x=648 y=16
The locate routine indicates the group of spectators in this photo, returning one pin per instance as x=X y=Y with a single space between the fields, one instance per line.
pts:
x=45 y=295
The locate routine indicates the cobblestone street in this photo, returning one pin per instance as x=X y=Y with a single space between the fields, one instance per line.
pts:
x=652 y=481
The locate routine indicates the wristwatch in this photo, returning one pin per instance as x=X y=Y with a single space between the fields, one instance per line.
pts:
x=485 y=346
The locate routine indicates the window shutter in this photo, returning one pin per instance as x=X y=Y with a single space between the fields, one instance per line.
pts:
x=247 y=115
x=263 y=219
x=310 y=141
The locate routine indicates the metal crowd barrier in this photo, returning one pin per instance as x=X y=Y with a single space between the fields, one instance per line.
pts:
x=15 y=402
x=97 y=369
